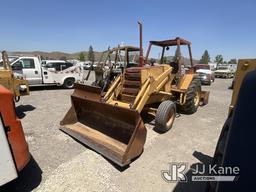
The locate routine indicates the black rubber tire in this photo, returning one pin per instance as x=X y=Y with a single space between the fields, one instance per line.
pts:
x=219 y=152
x=69 y=83
x=190 y=107
x=163 y=121
x=16 y=98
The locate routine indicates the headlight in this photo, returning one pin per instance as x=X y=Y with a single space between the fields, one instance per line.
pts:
x=204 y=77
x=22 y=87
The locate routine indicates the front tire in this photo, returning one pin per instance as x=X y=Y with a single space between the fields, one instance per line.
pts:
x=69 y=83
x=165 y=116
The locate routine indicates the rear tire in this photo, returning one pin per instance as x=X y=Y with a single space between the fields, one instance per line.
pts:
x=165 y=116
x=192 y=99
x=69 y=83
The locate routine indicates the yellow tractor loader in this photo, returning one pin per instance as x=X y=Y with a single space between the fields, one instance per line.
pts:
x=111 y=123
x=112 y=63
x=17 y=85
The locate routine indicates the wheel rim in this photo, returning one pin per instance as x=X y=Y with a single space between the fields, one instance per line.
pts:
x=197 y=98
x=70 y=83
x=171 y=118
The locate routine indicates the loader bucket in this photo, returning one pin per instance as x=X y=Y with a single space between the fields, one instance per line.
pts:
x=117 y=133
x=87 y=91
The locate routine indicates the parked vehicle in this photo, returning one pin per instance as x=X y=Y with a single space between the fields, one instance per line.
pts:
x=17 y=85
x=205 y=73
x=37 y=75
x=13 y=146
x=88 y=65
x=225 y=71
x=10 y=58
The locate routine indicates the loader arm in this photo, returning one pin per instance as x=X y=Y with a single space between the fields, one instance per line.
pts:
x=110 y=93
x=151 y=86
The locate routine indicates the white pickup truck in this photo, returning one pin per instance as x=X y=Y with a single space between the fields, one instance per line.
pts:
x=225 y=71
x=37 y=75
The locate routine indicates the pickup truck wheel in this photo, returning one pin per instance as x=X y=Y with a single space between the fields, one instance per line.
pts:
x=69 y=83
x=165 y=116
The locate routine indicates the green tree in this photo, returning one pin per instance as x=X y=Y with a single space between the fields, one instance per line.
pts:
x=91 y=56
x=81 y=57
x=205 y=58
x=219 y=59
x=232 y=61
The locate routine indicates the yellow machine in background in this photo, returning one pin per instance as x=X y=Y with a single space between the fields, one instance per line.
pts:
x=244 y=66
x=237 y=139
x=106 y=70
x=17 y=85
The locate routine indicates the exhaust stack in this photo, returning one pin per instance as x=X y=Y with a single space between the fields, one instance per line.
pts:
x=141 y=60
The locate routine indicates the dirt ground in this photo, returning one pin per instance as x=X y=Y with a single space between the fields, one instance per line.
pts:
x=59 y=163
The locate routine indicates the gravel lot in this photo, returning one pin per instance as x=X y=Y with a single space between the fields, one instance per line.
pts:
x=59 y=163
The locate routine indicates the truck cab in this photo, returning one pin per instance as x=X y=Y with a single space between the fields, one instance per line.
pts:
x=225 y=71
x=30 y=69
x=205 y=73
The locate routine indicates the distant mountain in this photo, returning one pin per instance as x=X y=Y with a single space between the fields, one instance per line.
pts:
x=55 y=54
x=66 y=56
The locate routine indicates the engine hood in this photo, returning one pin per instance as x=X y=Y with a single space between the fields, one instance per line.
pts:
x=223 y=71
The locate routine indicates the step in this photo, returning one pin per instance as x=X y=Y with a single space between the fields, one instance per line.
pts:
x=130 y=91
x=133 y=70
x=132 y=84
x=127 y=98
x=132 y=76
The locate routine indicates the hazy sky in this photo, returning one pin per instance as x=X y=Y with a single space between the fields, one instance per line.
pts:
x=222 y=27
